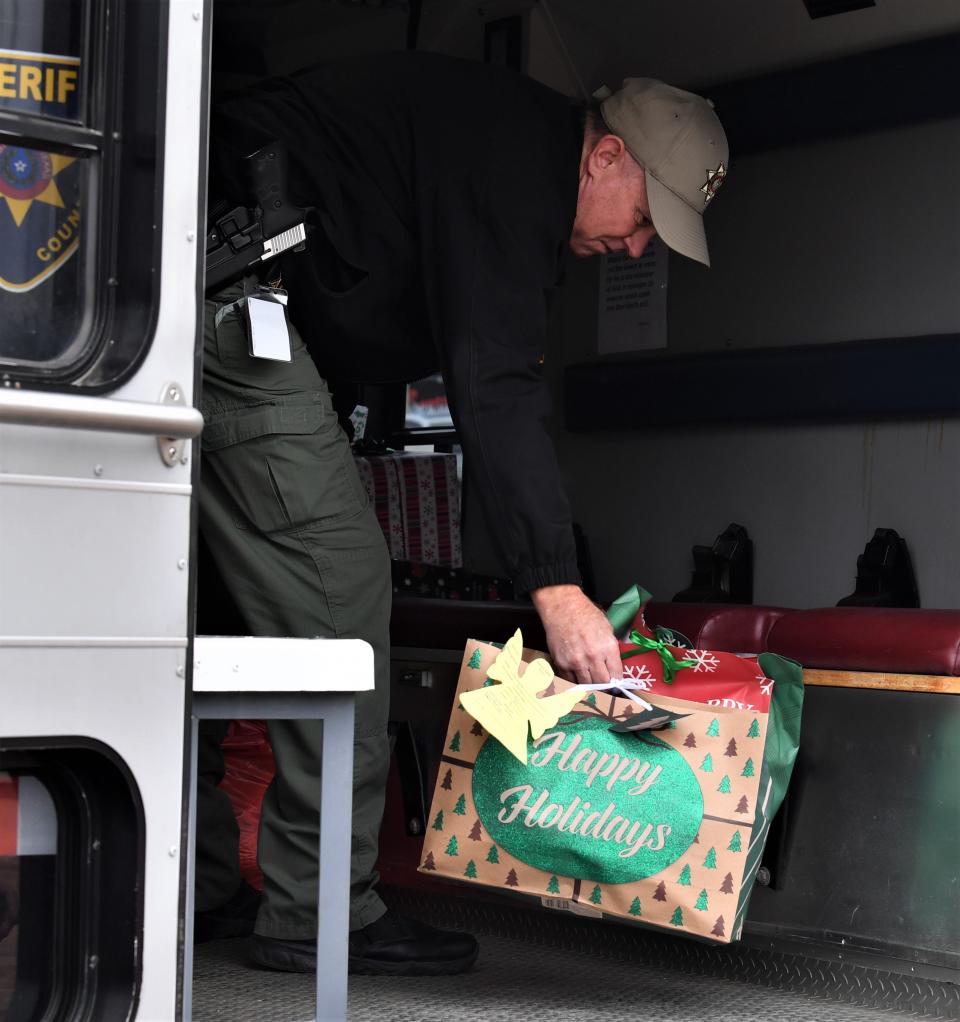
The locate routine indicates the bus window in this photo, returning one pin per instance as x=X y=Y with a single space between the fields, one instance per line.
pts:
x=40 y=58
x=41 y=50
x=71 y=882
x=28 y=859
x=79 y=166
x=428 y=424
x=427 y=404
x=41 y=262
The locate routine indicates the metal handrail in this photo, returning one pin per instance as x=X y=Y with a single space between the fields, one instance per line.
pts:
x=69 y=411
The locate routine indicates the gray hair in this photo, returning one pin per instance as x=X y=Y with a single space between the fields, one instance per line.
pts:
x=594 y=126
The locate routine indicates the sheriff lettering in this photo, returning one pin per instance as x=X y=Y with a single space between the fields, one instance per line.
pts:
x=40 y=83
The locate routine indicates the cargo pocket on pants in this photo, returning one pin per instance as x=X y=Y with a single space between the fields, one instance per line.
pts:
x=283 y=465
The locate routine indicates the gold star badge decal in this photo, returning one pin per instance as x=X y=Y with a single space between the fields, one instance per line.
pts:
x=28 y=175
x=715 y=178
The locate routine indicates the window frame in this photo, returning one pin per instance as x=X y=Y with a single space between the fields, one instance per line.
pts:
x=97 y=961
x=121 y=133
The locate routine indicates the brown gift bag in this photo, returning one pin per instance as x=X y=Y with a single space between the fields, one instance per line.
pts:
x=653 y=827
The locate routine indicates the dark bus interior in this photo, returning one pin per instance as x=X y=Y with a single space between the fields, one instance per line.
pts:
x=798 y=420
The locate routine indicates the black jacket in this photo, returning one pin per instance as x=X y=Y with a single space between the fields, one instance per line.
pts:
x=446 y=192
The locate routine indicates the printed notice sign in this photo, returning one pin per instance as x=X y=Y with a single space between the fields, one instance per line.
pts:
x=632 y=313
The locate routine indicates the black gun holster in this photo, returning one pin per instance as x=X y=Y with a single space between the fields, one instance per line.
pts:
x=242 y=237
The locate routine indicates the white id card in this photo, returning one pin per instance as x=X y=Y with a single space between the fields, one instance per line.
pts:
x=269 y=337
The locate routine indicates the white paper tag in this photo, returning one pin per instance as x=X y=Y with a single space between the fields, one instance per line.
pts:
x=269 y=337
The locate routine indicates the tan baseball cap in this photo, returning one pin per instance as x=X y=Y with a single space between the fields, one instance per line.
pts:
x=679 y=141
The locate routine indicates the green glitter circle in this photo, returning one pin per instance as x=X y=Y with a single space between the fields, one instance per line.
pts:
x=533 y=834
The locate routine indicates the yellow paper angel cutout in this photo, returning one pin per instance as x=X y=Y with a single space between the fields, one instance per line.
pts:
x=508 y=709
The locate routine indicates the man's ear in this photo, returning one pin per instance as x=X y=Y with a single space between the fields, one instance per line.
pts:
x=606 y=152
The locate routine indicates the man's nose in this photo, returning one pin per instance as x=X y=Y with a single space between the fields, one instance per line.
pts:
x=637 y=242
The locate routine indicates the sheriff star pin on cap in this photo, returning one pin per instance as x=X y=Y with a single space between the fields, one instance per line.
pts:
x=679 y=141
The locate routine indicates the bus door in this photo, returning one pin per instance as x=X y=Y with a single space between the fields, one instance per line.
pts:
x=102 y=160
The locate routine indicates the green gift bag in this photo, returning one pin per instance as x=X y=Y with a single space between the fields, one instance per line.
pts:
x=650 y=801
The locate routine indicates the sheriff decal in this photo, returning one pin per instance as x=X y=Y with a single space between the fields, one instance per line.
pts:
x=39 y=215
x=42 y=84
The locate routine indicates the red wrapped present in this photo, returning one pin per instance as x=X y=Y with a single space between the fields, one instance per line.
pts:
x=417 y=501
x=382 y=482
x=248 y=771
x=738 y=683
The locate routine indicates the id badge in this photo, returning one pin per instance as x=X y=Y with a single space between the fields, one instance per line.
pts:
x=268 y=334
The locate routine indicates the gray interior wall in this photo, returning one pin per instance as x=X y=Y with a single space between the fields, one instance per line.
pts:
x=845 y=240
x=853 y=239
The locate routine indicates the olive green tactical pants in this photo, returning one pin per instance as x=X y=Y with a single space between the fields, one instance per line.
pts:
x=290 y=528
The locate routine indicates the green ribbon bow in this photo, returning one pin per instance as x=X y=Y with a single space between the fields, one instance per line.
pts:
x=670 y=663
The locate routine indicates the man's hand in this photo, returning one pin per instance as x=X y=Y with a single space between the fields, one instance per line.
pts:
x=579 y=636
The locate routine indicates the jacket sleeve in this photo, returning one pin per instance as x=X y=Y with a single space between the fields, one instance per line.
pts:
x=492 y=245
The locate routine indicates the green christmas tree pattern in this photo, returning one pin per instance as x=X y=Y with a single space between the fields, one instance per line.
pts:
x=701 y=905
x=452 y=848
x=710 y=862
x=474 y=661
x=461 y=807
x=438 y=821
x=707 y=765
x=747 y=769
x=724 y=787
x=591 y=699
x=471 y=870
x=596 y=895
x=455 y=743
x=487 y=682
x=493 y=855
x=677 y=917
x=684 y=878
x=634 y=909
x=735 y=844
x=553 y=886
x=754 y=731
x=714 y=728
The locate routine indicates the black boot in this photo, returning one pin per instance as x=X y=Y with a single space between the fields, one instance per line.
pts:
x=392 y=946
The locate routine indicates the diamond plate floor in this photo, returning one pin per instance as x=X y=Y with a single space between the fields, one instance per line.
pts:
x=512 y=980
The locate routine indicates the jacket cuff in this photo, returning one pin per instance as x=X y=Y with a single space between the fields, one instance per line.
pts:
x=563 y=573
